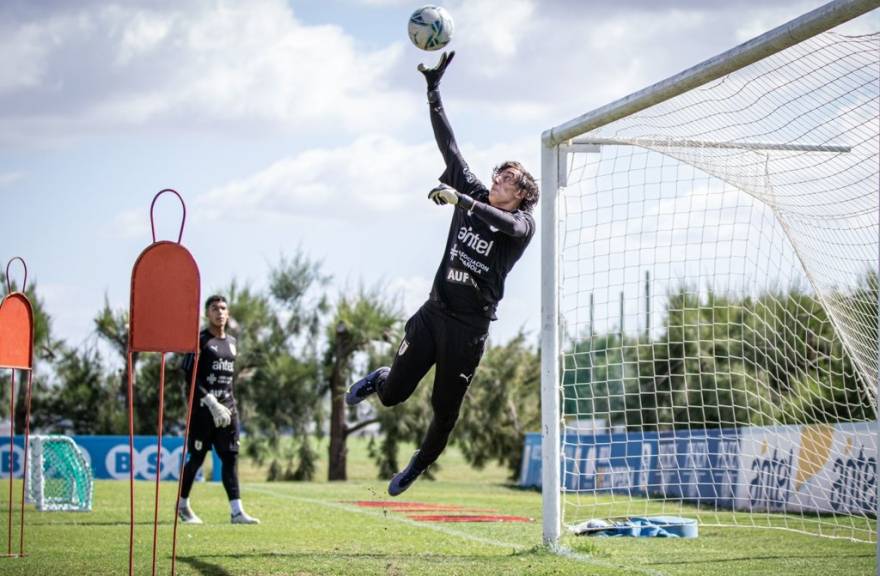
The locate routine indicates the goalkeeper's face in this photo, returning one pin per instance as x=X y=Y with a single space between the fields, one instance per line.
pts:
x=218 y=314
x=505 y=192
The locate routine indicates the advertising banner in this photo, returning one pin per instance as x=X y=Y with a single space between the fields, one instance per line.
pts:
x=110 y=459
x=818 y=468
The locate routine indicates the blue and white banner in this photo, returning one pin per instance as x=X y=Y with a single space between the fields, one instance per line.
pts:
x=110 y=459
x=821 y=467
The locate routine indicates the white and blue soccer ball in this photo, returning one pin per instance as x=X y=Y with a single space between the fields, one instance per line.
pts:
x=430 y=28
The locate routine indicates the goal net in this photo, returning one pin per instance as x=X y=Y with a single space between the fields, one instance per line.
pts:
x=717 y=299
x=59 y=476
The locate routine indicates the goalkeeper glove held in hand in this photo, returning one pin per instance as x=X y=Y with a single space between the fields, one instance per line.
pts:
x=221 y=414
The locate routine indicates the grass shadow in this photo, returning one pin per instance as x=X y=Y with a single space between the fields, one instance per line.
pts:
x=202 y=567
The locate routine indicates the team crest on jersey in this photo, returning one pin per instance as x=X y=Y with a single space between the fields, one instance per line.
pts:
x=198 y=445
x=232 y=349
x=403 y=346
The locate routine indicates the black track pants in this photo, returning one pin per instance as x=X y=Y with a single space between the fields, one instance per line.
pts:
x=228 y=472
x=435 y=337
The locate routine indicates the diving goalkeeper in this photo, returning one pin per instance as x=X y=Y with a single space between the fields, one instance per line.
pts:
x=490 y=230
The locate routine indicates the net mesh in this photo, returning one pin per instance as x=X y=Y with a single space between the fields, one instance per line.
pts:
x=59 y=477
x=718 y=299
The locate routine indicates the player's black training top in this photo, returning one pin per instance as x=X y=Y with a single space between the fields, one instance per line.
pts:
x=216 y=374
x=484 y=242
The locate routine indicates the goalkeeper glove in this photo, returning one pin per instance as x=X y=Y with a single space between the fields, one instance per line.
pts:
x=222 y=415
x=433 y=75
x=443 y=194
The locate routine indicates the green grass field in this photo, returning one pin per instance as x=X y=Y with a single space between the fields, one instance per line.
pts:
x=315 y=528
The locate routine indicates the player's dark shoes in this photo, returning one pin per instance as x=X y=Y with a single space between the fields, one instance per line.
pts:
x=365 y=387
x=403 y=480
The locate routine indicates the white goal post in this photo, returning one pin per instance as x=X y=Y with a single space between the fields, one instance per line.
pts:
x=710 y=265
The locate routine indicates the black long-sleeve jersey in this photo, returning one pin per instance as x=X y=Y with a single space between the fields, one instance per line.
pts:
x=216 y=373
x=484 y=242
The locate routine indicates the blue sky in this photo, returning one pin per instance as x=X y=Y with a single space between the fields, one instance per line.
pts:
x=290 y=125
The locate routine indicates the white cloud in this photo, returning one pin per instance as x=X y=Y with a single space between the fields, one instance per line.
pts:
x=375 y=173
x=23 y=53
x=566 y=60
x=255 y=67
x=763 y=18
x=250 y=66
x=144 y=33
x=412 y=290
x=523 y=111
x=496 y=26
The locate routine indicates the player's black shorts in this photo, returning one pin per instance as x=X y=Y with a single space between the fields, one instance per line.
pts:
x=203 y=434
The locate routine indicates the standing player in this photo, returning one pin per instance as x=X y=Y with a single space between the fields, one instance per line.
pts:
x=215 y=418
x=490 y=230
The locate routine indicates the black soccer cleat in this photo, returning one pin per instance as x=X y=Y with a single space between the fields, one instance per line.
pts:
x=365 y=387
x=403 y=480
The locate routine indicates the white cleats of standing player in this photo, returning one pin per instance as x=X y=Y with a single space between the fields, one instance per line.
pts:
x=243 y=518
x=187 y=516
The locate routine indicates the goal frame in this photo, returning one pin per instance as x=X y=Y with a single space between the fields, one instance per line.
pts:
x=35 y=481
x=559 y=141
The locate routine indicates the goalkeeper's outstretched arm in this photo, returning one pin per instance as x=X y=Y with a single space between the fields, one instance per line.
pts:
x=457 y=174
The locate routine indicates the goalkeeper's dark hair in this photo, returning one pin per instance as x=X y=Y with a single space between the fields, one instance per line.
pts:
x=215 y=298
x=525 y=183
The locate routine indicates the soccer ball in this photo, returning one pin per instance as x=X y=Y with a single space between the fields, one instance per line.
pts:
x=430 y=28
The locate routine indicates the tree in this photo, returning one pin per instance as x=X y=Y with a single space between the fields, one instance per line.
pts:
x=504 y=402
x=112 y=327
x=358 y=324
x=87 y=401
x=724 y=360
x=279 y=372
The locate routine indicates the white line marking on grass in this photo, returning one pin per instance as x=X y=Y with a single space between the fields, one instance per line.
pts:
x=561 y=551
